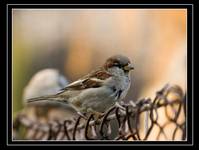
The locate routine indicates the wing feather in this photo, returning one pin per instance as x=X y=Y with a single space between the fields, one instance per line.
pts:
x=93 y=80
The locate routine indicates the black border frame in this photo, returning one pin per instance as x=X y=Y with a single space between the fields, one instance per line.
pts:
x=190 y=132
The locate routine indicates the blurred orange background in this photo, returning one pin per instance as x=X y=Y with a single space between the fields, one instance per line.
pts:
x=75 y=41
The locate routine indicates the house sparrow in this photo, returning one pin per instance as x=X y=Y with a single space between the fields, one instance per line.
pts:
x=97 y=91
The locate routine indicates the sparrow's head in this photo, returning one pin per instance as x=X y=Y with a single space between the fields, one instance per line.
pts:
x=119 y=62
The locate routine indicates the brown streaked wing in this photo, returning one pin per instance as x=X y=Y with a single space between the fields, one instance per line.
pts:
x=77 y=85
x=87 y=82
x=101 y=74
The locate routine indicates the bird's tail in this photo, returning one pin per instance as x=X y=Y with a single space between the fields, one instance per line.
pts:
x=52 y=98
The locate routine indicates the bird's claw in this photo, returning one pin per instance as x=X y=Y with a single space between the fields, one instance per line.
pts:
x=119 y=106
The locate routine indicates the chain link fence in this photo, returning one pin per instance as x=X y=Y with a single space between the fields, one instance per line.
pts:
x=161 y=118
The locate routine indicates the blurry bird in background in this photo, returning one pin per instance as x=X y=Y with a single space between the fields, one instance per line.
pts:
x=44 y=82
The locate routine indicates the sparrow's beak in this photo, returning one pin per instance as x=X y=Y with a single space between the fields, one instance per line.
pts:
x=128 y=67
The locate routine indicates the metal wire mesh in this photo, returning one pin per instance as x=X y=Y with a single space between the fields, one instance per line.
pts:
x=161 y=118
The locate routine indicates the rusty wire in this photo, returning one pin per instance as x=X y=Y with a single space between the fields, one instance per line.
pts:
x=126 y=118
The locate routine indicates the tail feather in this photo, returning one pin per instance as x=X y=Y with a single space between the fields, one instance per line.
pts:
x=43 y=98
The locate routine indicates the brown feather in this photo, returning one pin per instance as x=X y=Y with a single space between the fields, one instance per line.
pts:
x=102 y=75
x=88 y=83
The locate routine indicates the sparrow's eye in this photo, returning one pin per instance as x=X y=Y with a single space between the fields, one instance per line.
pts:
x=117 y=65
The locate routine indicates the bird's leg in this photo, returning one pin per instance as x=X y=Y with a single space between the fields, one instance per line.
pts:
x=97 y=114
